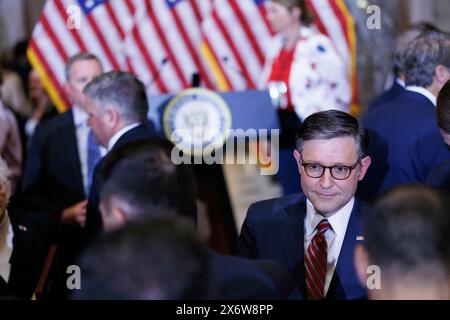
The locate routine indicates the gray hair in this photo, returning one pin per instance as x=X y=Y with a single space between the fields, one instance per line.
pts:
x=401 y=45
x=81 y=56
x=333 y=124
x=422 y=56
x=5 y=183
x=121 y=90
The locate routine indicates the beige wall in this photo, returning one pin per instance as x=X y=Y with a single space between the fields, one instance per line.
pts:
x=433 y=11
x=12 y=22
x=17 y=19
x=33 y=10
x=442 y=12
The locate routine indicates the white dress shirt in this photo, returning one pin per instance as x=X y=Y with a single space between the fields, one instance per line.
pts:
x=400 y=82
x=423 y=92
x=334 y=236
x=119 y=134
x=82 y=130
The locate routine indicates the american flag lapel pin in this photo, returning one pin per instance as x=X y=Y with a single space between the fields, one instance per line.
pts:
x=359 y=238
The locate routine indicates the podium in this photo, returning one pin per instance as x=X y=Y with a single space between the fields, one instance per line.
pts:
x=249 y=110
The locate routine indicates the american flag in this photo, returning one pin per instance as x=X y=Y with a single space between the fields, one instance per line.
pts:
x=235 y=35
x=165 y=42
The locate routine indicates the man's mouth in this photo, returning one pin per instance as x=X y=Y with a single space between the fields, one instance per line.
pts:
x=325 y=195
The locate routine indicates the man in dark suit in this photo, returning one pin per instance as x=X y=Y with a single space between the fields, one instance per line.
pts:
x=404 y=139
x=314 y=234
x=51 y=206
x=140 y=178
x=406 y=261
x=117 y=106
x=401 y=47
x=439 y=176
x=397 y=87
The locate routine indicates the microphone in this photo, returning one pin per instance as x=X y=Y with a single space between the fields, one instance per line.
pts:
x=196 y=80
x=227 y=62
x=163 y=62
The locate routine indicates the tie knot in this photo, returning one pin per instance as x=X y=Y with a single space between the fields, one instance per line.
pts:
x=323 y=226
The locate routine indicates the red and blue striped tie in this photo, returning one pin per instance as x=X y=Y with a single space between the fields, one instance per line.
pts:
x=316 y=263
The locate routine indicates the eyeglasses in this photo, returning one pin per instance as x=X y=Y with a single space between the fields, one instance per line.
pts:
x=338 y=172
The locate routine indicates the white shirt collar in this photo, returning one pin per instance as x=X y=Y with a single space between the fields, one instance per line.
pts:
x=338 y=221
x=423 y=92
x=119 y=134
x=80 y=116
x=400 y=82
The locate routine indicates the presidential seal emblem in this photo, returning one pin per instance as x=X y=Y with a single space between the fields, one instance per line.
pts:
x=197 y=121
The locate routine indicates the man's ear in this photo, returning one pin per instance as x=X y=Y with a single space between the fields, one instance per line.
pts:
x=114 y=214
x=117 y=218
x=441 y=73
x=365 y=164
x=112 y=116
x=361 y=261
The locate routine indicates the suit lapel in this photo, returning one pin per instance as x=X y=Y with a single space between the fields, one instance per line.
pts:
x=345 y=265
x=70 y=146
x=292 y=234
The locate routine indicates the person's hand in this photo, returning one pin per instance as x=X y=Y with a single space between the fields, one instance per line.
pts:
x=75 y=215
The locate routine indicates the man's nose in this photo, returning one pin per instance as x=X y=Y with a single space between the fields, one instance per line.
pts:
x=326 y=181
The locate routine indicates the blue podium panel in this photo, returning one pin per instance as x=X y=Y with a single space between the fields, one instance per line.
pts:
x=249 y=109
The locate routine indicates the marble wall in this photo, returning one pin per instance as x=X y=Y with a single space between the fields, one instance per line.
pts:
x=374 y=47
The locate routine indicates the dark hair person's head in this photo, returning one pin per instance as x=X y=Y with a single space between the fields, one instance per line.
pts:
x=142 y=174
x=332 y=124
x=407 y=232
x=157 y=258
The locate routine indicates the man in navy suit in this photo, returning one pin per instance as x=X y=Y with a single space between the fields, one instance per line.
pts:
x=117 y=105
x=405 y=143
x=397 y=87
x=314 y=234
x=401 y=47
x=439 y=176
x=140 y=181
x=51 y=206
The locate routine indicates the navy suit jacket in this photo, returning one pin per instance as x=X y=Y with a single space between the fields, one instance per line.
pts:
x=405 y=144
x=93 y=216
x=387 y=96
x=439 y=176
x=274 y=229
x=52 y=169
x=51 y=181
x=237 y=278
